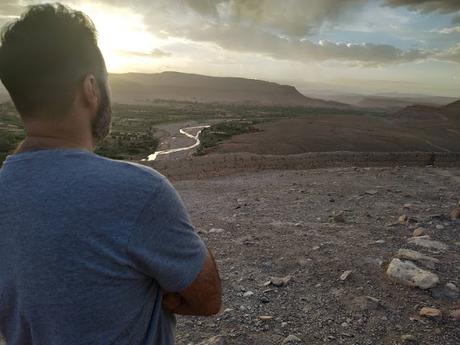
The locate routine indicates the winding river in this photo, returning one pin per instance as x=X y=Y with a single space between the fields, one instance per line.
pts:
x=184 y=131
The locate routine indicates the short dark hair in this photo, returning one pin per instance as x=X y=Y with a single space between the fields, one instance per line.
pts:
x=44 y=57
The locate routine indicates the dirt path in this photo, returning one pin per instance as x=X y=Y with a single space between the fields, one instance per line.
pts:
x=287 y=224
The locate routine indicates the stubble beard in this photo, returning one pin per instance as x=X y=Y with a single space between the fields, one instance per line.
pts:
x=102 y=123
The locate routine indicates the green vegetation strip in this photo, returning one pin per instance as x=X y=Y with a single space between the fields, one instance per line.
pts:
x=217 y=133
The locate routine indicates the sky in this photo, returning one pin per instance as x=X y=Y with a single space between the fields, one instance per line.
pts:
x=346 y=46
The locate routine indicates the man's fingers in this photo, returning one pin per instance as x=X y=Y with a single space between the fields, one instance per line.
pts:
x=171 y=300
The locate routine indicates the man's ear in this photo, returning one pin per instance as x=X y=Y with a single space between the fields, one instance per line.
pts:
x=90 y=92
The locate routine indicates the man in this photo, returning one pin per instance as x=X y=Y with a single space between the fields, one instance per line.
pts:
x=92 y=250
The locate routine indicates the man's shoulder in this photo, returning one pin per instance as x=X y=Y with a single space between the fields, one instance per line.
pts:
x=128 y=173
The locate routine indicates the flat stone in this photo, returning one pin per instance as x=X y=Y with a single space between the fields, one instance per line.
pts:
x=403 y=219
x=216 y=231
x=452 y=286
x=380 y=242
x=216 y=340
x=416 y=256
x=371 y=191
x=433 y=313
x=292 y=339
x=419 y=232
x=279 y=282
x=265 y=317
x=345 y=275
x=407 y=338
x=407 y=273
x=427 y=243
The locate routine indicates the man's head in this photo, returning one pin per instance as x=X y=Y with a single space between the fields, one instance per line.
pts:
x=52 y=67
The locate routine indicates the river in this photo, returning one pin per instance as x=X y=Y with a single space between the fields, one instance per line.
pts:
x=185 y=131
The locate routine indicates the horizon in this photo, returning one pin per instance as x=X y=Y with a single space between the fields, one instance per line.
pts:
x=352 y=47
x=305 y=93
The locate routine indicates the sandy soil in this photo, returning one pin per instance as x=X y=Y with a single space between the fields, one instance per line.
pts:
x=361 y=133
x=283 y=223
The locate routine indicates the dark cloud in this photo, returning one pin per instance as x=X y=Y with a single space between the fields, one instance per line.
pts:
x=443 y=6
x=456 y=19
x=204 y=7
x=290 y=17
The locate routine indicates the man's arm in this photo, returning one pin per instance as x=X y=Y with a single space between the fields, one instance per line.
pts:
x=202 y=297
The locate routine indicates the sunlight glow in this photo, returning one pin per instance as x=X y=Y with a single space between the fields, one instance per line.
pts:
x=123 y=37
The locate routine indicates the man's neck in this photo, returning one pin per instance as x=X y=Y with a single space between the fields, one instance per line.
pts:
x=34 y=143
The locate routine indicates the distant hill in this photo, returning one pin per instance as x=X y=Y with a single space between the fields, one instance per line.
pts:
x=145 y=88
x=390 y=101
x=453 y=110
x=424 y=112
x=385 y=102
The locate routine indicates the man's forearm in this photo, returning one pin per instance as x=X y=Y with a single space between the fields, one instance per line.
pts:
x=201 y=298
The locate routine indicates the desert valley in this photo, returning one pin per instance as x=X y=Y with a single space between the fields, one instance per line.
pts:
x=331 y=222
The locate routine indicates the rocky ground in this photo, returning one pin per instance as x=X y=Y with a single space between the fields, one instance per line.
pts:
x=303 y=256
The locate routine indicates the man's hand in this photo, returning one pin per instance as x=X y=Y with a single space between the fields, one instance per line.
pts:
x=202 y=297
x=171 y=301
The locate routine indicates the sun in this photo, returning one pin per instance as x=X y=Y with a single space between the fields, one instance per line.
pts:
x=122 y=35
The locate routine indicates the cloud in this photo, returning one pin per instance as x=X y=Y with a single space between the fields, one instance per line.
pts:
x=255 y=41
x=456 y=19
x=452 y=54
x=427 y=6
x=289 y=17
x=155 y=53
x=279 y=29
x=447 y=31
x=158 y=53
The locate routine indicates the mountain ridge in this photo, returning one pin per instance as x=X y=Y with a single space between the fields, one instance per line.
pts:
x=177 y=86
x=419 y=111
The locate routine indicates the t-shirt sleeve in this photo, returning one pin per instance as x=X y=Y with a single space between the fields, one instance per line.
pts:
x=164 y=244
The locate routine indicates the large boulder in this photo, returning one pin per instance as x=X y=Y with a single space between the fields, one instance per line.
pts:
x=412 y=255
x=407 y=273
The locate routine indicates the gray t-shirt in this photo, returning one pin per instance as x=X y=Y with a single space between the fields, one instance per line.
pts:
x=87 y=247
